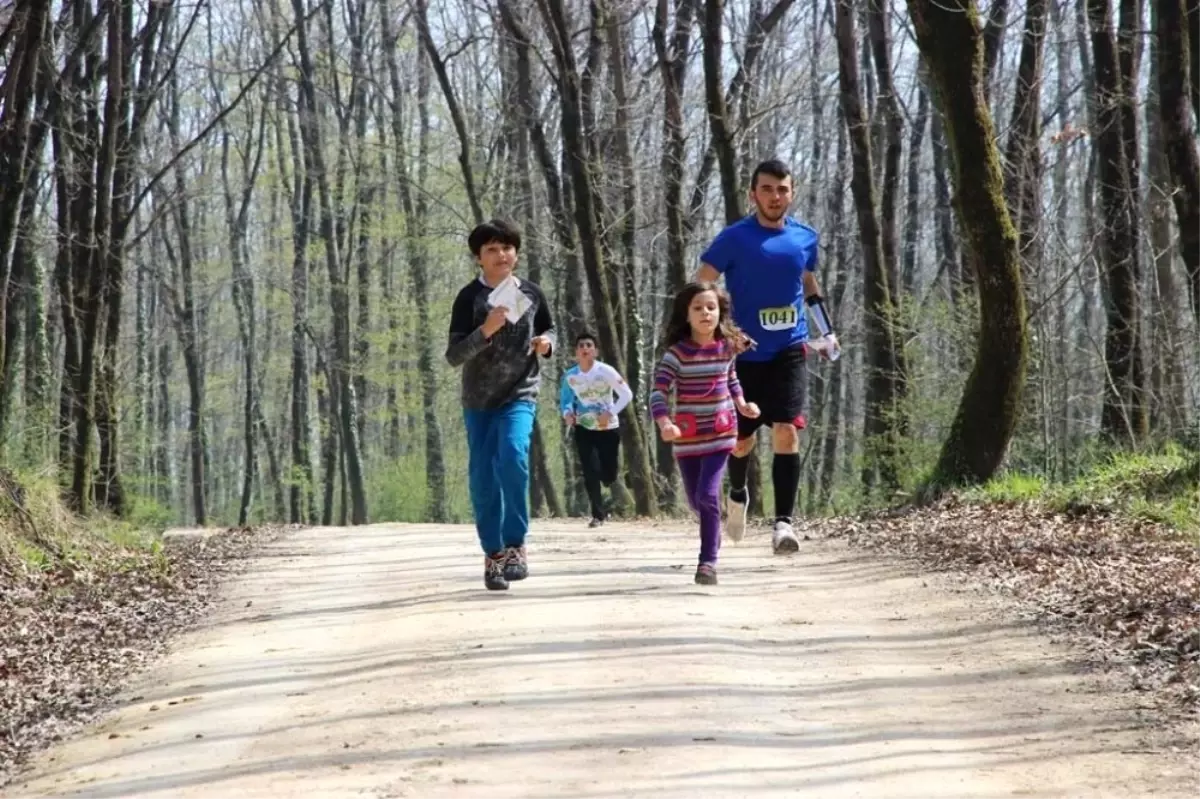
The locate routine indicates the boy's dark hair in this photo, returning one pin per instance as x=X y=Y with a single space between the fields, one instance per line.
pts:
x=773 y=167
x=586 y=336
x=494 y=230
x=679 y=329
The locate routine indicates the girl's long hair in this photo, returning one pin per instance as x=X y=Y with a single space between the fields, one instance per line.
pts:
x=677 y=327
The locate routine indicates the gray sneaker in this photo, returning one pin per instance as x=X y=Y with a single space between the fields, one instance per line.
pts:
x=783 y=538
x=516 y=567
x=493 y=571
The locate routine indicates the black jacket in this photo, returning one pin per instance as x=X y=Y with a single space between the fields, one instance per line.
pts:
x=502 y=369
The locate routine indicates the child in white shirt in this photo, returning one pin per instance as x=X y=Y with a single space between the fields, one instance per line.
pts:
x=587 y=404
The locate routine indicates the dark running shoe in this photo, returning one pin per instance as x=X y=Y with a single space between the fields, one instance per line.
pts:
x=493 y=571
x=515 y=565
x=706 y=574
x=595 y=522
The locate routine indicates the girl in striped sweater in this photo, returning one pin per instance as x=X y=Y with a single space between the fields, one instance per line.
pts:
x=698 y=366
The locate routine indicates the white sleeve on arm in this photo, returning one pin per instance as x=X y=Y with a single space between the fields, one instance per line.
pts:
x=618 y=384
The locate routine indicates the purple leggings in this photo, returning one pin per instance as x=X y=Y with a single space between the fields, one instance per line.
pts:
x=702 y=481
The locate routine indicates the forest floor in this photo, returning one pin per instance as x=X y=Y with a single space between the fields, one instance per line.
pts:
x=934 y=653
x=83 y=605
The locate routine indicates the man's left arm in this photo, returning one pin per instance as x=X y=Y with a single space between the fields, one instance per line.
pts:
x=816 y=303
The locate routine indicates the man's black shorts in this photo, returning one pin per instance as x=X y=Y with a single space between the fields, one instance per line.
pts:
x=779 y=388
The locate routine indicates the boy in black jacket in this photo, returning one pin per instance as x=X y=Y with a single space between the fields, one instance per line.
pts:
x=500 y=382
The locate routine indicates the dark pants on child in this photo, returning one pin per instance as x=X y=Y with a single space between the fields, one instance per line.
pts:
x=702 y=481
x=498 y=473
x=598 y=450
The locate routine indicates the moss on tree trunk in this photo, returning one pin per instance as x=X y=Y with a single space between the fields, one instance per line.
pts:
x=949 y=37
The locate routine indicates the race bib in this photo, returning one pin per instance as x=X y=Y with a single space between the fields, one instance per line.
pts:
x=778 y=318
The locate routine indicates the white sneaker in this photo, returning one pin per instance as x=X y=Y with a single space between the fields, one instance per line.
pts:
x=783 y=539
x=735 y=519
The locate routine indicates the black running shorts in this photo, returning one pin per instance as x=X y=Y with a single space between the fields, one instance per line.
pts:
x=779 y=387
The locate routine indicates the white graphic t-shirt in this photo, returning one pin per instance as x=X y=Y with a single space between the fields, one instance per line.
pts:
x=589 y=394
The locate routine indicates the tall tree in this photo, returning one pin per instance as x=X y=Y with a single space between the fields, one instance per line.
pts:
x=341 y=386
x=672 y=57
x=1123 y=417
x=1168 y=405
x=881 y=346
x=1176 y=81
x=575 y=150
x=890 y=426
x=949 y=38
x=414 y=201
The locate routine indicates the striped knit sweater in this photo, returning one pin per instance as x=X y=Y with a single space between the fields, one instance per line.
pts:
x=705 y=385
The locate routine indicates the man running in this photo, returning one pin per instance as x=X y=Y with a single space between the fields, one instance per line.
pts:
x=586 y=403
x=769 y=261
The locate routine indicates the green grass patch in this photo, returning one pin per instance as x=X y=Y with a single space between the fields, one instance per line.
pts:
x=1162 y=487
x=39 y=534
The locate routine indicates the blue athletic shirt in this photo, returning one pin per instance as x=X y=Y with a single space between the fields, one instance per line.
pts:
x=764 y=275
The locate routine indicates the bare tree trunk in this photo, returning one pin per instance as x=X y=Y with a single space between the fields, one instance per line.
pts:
x=342 y=385
x=881 y=349
x=28 y=26
x=912 y=203
x=956 y=275
x=716 y=106
x=187 y=315
x=1168 y=403
x=673 y=64
x=894 y=426
x=39 y=416
x=1175 y=84
x=554 y=14
x=627 y=222
x=837 y=216
x=237 y=210
x=1121 y=418
x=416 y=212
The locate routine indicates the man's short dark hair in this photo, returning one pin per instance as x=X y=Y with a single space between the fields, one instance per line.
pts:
x=585 y=336
x=497 y=230
x=773 y=167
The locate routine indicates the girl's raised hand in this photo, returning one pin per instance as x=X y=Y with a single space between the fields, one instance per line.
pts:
x=669 y=431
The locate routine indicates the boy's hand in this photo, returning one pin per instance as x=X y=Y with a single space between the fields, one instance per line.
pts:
x=748 y=409
x=540 y=345
x=496 y=319
x=669 y=431
x=569 y=419
x=606 y=419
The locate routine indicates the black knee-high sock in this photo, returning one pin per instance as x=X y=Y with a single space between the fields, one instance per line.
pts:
x=737 y=477
x=785 y=475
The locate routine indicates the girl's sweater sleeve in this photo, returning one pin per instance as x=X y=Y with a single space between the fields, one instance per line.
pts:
x=735 y=385
x=664 y=381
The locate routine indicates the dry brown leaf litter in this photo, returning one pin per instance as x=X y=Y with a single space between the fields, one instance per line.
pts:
x=1131 y=588
x=69 y=636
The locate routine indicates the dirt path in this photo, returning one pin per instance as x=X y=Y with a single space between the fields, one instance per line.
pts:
x=371 y=662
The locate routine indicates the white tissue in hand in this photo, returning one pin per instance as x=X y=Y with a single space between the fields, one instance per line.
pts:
x=829 y=345
x=509 y=294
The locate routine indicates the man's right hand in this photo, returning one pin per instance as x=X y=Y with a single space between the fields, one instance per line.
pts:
x=496 y=319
